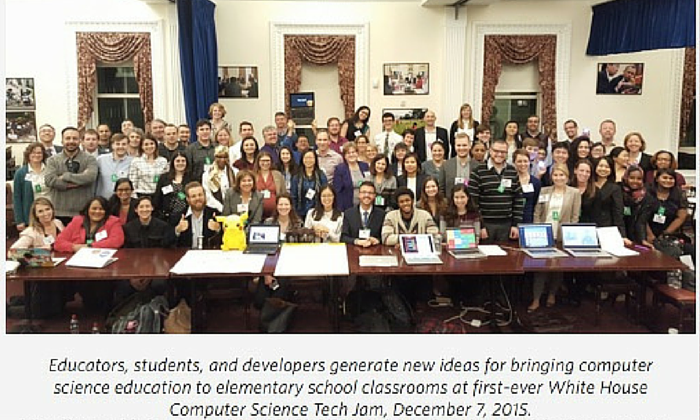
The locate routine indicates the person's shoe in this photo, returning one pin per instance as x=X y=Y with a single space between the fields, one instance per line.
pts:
x=533 y=307
x=551 y=301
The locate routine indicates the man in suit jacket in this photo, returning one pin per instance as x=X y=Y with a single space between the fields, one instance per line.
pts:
x=425 y=136
x=198 y=220
x=457 y=169
x=362 y=224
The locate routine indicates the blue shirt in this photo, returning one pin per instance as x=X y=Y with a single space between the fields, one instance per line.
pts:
x=109 y=170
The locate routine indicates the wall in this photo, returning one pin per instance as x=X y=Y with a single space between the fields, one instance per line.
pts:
x=651 y=113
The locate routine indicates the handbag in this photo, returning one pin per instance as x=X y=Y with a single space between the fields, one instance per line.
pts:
x=179 y=321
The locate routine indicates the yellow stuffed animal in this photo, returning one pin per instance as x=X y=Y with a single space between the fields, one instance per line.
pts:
x=234 y=233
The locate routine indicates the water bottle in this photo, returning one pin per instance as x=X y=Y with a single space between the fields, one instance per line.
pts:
x=74 y=324
x=674 y=279
x=95 y=328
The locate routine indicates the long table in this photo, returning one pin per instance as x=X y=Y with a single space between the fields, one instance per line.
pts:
x=156 y=263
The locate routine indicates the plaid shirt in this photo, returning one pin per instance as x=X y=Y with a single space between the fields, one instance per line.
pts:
x=145 y=174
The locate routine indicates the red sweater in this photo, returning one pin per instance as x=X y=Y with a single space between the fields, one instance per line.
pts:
x=74 y=233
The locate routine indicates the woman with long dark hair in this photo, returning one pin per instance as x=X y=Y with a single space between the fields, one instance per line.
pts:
x=307 y=184
x=326 y=219
x=669 y=207
x=637 y=204
x=357 y=125
x=122 y=203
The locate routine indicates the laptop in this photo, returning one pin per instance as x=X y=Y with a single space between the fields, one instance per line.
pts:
x=31 y=257
x=581 y=240
x=537 y=241
x=302 y=107
x=419 y=249
x=263 y=239
x=463 y=243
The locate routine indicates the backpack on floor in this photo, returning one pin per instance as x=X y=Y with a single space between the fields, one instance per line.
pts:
x=146 y=318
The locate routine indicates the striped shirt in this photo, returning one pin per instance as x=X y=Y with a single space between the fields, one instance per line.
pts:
x=498 y=196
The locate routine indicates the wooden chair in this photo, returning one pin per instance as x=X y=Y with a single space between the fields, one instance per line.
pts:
x=682 y=299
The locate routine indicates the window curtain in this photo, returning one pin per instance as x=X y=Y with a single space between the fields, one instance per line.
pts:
x=321 y=50
x=198 y=57
x=688 y=91
x=109 y=47
x=521 y=49
x=625 y=26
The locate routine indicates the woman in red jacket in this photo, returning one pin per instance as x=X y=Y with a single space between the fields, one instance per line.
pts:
x=94 y=228
x=91 y=228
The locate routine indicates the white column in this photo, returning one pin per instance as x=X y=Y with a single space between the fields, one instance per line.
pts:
x=175 y=104
x=454 y=64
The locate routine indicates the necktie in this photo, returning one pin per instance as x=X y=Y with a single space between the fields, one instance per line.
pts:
x=386 y=145
x=365 y=219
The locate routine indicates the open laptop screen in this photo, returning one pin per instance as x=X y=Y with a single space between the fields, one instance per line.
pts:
x=301 y=100
x=462 y=238
x=579 y=236
x=416 y=244
x=536 y=236
x=263 y=234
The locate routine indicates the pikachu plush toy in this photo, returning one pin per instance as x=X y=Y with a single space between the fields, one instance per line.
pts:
x=234 y=231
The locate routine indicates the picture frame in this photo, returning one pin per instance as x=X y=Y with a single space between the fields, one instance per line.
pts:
x=20 y=126
x=407 y=118
x=19 y=93
x=238 y=82
x=406 y=79
x=620 y=78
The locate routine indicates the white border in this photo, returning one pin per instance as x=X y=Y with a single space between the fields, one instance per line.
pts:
x=279 y=29
x=155 y=28
x=563 y=58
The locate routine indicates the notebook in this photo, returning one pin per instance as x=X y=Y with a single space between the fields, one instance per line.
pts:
x=463 y=243
x=581 y=240
x=537 y=241
x=418 y=249
x=263 y=239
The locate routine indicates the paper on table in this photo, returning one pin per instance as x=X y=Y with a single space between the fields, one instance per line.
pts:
x=378 y=261
x=219 y=262
x=312 y=260
x=492 y=250
x=11 y=266
x=611 y=242
x=56 y=260
x=92 y=258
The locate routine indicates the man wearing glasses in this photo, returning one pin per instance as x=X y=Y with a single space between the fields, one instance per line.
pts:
x=362 y=224
x=495 y=190
x=71 y=175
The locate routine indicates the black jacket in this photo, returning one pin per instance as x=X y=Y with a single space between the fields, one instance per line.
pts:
x=611 y=208
x=212 y=239
x=419 y=144
x=157 y=234
x=352 y=223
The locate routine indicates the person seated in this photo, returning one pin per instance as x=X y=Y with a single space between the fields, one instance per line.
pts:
x=432 y=200
x=407 y=219
x=244 y=198
x=362 y=224
x=92 y=228
x=325 y=219
x=460 y=210
x=122 y=203
x=145 y=232
x=47 y=297
x=348 y=176
x=196 y=227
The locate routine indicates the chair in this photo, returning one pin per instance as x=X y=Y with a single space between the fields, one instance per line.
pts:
x=624 y=286
x=682 y=299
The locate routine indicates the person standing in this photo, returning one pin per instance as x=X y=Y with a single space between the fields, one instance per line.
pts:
x=71 y=175
x=328 y=160
x=466 y=124
x=29 y=183
x=388 y=138
x=113 y=166
x=458 y=169
x=170 y=144
x=200 y=154
x=348 y=176
x=428 y=135
x=47 y=134
x=495 y=190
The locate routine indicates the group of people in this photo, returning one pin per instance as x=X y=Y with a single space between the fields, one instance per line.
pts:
x=160 y=189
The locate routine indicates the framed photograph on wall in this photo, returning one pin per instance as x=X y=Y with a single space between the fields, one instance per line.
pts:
x=407 y=79
x=19 y=93
x=238 y=82
x=20 y=126
x=407 y=118
x=620 y=78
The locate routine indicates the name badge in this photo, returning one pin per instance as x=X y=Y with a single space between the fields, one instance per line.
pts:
x=555 y=216
x=310 y=194
x=37 y=188
x=506 y=183
x=528 y=188
x=459 y=181
x=543 y=199
x=181 y=195
x=100 y=235
x=627 y=211
x=659 y=218
x=242 y=208
x=156 y=178
x=29 y=177
x=364 y=233
x=167 y=189
x=266 y=194
x=358 y=133
x=49 y=240
x=207 y=161
x=379 y=201
x=288 y=184
x=114 y=177
x=360 y=183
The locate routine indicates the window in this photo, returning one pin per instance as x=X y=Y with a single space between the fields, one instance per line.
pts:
x=117 y=96
x=686 y=149
x=512 y=106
